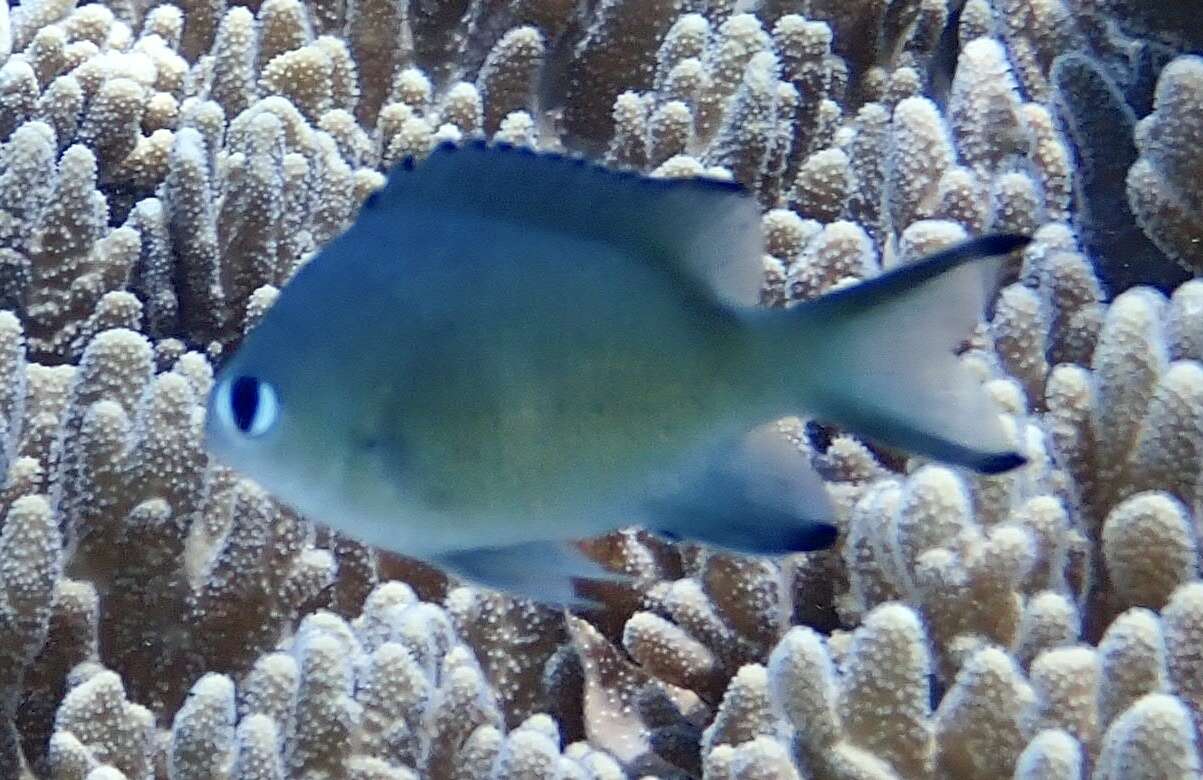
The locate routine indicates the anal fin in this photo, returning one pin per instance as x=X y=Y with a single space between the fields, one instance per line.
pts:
x=543 y=571
x=757 y=495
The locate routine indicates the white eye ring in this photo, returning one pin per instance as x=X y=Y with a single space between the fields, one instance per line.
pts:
x=249 y=405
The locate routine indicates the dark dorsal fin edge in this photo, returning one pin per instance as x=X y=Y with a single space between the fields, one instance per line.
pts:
x=705 y=229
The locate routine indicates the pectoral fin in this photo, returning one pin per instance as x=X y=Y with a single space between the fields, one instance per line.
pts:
x=756 y=495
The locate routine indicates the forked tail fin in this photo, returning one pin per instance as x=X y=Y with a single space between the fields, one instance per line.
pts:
x=878 y=357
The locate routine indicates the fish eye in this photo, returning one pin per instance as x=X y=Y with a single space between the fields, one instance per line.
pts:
x=252 y=405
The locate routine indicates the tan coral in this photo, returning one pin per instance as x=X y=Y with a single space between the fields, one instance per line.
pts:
x=1130 y=357
x=111 y=729
x=1051 y=755
x=1049 y=620
x=1153 y=738
x=981 y=723
x=841 y=251
x=922 y=151
x=884 y=700
x=202 y=734
x=822 y=185
x=1169 y=446
x=803 y=687
x=1149 y=548
x=1132 y=654
x=744 y=712
x=1020 y=329
x=1185 y=326
x=505 y=80
x=984 y=106
x=1163 y=184
x=283 y=26
x=1066 y=682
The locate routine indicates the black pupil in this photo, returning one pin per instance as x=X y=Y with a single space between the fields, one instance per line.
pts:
x=244 y=400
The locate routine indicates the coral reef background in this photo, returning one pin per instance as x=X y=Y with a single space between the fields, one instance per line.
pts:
x=165 y=168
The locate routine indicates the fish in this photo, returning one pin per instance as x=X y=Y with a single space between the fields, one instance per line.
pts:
x=511 y=351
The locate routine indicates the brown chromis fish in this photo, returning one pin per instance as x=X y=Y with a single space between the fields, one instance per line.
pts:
x=508 y=351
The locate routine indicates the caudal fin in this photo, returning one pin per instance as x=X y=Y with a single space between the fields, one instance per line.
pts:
x=879 y=357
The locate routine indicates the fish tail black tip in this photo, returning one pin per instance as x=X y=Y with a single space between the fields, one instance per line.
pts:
x=812 y=537
x=1002 y=243
x=998 y=463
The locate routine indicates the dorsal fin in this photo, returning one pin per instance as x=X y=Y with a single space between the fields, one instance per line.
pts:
x=706 y=230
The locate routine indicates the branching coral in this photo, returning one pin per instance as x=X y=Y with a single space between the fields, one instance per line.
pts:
x=1092 y=106
x=1163 y=183
x=165 y=169
x=389 y=695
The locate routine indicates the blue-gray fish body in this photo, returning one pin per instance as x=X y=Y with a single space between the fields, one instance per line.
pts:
x=507 y=351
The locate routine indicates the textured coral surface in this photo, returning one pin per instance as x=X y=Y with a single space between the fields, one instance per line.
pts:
x=164 y=169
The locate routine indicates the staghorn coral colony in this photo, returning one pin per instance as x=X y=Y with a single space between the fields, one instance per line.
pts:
x=164 y=169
